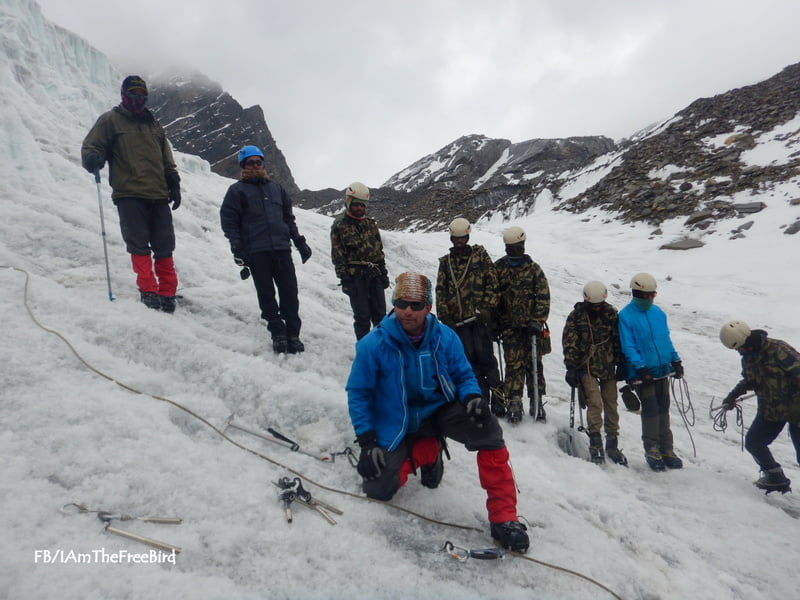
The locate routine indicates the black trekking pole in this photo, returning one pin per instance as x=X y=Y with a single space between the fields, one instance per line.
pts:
x=571 y=420
x=537 y=401
x=103 y=232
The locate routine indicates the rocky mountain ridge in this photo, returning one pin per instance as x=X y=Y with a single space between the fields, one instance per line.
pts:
x=692 y=165
x=202 y=119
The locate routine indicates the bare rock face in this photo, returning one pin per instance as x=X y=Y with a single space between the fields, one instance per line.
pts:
x=695 y=162
x=691 y=166
x=201 y=119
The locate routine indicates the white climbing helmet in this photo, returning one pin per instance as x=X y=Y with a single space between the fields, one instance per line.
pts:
x=459 y=227
x=514 y=235
x=356 y=191
x=643 y=282
x=595 y=292
x=734 y=334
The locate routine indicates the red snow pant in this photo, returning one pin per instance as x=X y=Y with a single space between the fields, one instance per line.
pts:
x=163 y=282
x=147 y=227
x=421 y=449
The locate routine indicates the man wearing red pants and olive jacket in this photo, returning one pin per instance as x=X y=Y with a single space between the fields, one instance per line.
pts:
x=410 y=387
x=144 y=182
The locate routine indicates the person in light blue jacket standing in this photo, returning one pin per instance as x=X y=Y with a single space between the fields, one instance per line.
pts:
x=650 y=359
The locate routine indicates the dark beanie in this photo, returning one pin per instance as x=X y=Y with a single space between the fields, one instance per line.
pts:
x=133 y=82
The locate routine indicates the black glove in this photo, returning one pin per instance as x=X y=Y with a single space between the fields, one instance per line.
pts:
x=620 y=371
x=384 y=278
x=677 y=369
x=347 y=286
x=174 y=186
x=175 y=197
x=372 y=460
x=644 y=374
x=477 y=409
x=730 y=400
x=92 y=162
x=244 y=273
x=573 y=378
x=630 y=398
x=534 y=328
x=303 y=249
x=239 y=257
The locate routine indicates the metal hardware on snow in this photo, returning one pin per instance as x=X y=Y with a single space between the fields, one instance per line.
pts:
x=292 y=490
x=106 y=517
x=348 y=452
x=275 y=438
x=461 y=554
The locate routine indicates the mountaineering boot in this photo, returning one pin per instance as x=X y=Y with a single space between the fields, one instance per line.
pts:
x=653 y=457
x=167 y=304
x=498 y=403
x=278 y=344
x=671 y=460
x=511 y=535
x=294 y=345
x=613 y=452
x=431 y=475
x=515 y=410
x=773 y=480
x=596 y=448
x=150 y=299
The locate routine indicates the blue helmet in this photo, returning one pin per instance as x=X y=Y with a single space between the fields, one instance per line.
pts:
x=248 y=151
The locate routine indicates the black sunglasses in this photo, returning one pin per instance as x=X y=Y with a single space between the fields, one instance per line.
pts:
x=404 y=304
x=253 y=163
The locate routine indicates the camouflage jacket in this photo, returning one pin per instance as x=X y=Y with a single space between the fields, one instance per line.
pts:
x=355 y=245
x=772 y=371
x=465 y=285
x=524 y=293
x=592 y=345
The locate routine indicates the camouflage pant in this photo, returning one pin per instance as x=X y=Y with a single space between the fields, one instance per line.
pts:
x=519 y=364
x=477 y=344
x=601 y=397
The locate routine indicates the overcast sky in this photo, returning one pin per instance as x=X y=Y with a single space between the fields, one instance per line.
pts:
x=360 y=89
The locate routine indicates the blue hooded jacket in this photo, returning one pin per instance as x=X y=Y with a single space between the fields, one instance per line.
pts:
x=644 y=337
x=393 y=386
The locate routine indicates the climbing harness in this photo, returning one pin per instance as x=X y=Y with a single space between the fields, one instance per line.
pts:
x=106 y=517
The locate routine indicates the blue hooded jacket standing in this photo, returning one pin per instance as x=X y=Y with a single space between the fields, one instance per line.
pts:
x=644 y=337
x=393 y=386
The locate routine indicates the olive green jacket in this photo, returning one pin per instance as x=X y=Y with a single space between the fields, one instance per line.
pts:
x=139 y=157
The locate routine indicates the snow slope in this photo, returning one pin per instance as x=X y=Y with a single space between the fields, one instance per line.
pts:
x=90 y=390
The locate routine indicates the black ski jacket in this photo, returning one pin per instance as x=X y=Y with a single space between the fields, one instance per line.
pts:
x=256 y=216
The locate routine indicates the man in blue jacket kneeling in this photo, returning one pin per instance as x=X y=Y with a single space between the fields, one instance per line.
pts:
x=410 y=387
